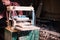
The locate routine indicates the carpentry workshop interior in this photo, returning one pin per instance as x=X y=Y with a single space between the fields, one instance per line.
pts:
x=29 y=19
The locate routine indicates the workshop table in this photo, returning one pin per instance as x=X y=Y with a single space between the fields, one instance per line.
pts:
x=21 y=35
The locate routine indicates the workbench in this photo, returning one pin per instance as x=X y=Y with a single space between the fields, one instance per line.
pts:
x=21 y=35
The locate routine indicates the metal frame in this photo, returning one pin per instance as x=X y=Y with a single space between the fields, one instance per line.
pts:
x=22 y=8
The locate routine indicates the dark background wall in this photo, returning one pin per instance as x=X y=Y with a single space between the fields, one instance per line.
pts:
x=51 y=10
x=52 y=6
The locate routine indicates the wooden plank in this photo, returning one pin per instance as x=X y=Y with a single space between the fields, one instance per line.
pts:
x=10 y=29
x=27 y=28
x=20 y=8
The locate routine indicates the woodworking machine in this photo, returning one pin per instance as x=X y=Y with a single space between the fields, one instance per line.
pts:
x=21 y=23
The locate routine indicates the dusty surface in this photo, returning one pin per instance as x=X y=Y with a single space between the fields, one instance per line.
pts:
x=49 y=35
